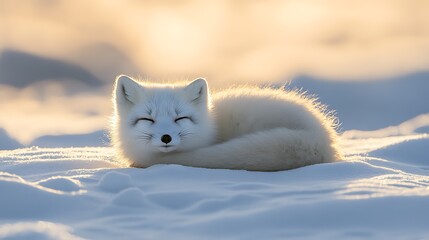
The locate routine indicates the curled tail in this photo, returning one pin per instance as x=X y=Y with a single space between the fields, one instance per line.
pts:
x=270 y=150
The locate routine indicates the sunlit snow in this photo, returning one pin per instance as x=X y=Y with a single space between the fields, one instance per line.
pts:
x=377 y=192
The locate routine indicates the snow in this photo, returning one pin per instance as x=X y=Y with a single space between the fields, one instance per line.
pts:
x=367 y=105
x=380 y=191
x=36 y=230
x=94 y=139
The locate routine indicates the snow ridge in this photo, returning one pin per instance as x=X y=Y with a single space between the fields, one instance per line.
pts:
x=379 y=191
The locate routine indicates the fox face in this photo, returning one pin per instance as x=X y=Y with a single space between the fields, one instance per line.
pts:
x=160 y=118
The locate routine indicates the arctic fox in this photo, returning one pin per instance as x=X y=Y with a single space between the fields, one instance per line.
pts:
x=240 y=128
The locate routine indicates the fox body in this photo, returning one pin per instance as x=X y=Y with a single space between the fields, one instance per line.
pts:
x=240 y=128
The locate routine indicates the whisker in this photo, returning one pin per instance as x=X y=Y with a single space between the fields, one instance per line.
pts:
x=184 y=134
x=144 y=137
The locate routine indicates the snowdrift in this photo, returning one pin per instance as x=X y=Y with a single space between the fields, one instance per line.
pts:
x=380 y=191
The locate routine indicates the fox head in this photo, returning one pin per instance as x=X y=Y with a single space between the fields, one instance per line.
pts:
x=161 y=119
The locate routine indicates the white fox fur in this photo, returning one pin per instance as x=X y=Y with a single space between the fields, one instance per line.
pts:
x=239 y=128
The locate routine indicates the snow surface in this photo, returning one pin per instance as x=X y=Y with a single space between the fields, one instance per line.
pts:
x=95 y=139
x=380 y=191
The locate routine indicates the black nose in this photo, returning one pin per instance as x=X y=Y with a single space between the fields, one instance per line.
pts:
x=166 y=138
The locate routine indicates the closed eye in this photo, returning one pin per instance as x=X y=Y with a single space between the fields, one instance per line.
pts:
x=145 y=119
x=182 y=118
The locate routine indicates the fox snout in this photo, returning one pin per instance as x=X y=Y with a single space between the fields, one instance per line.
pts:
x=166 y=138
x=166 y=143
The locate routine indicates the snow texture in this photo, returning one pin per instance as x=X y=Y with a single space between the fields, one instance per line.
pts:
x=380 y=191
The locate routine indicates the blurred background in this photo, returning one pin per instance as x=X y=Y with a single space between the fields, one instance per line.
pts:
x=368 y=60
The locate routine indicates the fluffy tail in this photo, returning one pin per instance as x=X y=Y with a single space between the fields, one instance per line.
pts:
x=271 y=150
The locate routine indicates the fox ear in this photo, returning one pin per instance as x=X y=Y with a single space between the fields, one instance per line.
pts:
x=197 y=91
x=126 y=90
